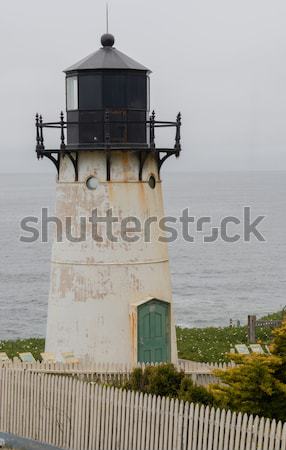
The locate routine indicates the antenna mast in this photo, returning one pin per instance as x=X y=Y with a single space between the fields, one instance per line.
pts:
x=107 y=18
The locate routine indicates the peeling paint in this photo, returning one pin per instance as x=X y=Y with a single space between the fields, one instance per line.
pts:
x=94 y=284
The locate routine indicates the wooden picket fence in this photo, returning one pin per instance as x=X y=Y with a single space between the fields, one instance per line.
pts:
x=74 y=414
x=201 y=373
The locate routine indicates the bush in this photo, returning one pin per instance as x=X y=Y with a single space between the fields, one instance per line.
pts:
x=190 y=392
x=166 y=380
x=257 y=384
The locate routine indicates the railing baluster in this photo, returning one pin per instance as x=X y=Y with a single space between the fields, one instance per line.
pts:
x=63 y=145
x=38 y=146
x=41 y=133
x=178 y=134
x=152 y=130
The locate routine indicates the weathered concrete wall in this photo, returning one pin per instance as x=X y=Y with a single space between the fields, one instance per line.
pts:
x=96 y=286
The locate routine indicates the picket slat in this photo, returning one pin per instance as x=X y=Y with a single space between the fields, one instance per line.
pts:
x=255 y=433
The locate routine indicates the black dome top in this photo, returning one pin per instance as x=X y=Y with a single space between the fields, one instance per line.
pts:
x=107 y=40
x=107 y=57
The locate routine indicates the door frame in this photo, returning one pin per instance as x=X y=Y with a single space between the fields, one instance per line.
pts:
x=133 y=319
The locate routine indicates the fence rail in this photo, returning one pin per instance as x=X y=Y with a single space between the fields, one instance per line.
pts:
x=74 y=414
x=201 y=373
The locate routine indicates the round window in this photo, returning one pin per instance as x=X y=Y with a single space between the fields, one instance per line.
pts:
x=152 y=182
x=92 y=183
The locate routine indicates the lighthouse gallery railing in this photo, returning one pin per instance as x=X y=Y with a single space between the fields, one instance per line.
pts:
x=107 y=144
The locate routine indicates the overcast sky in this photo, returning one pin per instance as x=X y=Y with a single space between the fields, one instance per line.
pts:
x=222 y=63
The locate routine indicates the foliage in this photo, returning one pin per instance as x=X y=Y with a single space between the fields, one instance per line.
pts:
x=274 y=316
x=33 y=345
x=166 y=380
x=278 y=348
x=214 y=344
x=257 y=384
x=190 y=392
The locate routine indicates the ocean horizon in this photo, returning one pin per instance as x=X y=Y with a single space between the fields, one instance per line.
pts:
x=212 y=282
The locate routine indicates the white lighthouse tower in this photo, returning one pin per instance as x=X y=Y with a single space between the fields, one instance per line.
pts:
x=110 y=295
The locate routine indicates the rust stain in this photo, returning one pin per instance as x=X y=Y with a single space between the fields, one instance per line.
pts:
x=133 y=335
x=126 y=166
x=142 y=197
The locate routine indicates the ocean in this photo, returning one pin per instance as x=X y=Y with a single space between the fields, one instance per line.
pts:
x=212 y=282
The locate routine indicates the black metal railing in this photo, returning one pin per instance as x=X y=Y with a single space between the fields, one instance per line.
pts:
x=108 y=141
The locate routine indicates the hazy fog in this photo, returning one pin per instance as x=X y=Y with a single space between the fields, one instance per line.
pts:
x=221 y=62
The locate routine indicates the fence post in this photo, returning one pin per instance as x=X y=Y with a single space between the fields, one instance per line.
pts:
x=251 y=329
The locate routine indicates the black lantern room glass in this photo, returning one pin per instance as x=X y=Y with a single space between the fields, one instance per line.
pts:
x=123 y=94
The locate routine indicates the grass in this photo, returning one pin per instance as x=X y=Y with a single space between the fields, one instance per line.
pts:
x=33 y=345
x=212 y=344
x=197 y=344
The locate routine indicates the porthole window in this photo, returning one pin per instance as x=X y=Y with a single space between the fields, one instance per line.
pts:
x=152 y=182
x=92 y=183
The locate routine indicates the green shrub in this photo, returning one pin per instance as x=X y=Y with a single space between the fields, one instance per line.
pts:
x=166 y=380
x=190 y=392
x=257 y=384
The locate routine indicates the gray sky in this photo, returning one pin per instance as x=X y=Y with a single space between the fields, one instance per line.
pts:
x=221 y=62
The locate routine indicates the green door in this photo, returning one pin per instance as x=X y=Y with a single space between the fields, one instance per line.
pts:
x=154 y=332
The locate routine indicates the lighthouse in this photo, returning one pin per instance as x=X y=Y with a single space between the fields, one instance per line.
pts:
x=110 y=296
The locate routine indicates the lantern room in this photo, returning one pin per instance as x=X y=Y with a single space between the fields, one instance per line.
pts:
x=110 y=88
x=107 y=109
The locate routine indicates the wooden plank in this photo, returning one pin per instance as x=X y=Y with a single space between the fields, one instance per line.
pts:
x=133 y=441
x=201 y=427
x=111 y=427
x=278 y=436
x=266 y=435
x=144 y=420
x=37 y=406
x=171 y=425
x=26 y=405
x=60 y=409
x=106 y=418
x=86 y=414
x=162 y=423
x=132 y=425
x=272 y=435
x=103 y=423
x=216 y=429
x=227 y=430
x=92 y=417
x=41 y=413
x=73 y=414
x=191 y=426
x=175 y=424
x=157 y=422
x=69 y=405
x=221 y=430
x=237 y=432
x=249 y=432
x=119 y=418
x=166 y=423
x=54 y=411
x=2 y=406
x=185 y=427
x=260 y=434
x=243 y=431
x=123 y=419
x=283 y=437
x=255 y=433
x=127 y=419
x=114 y=419
x=11 y=401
